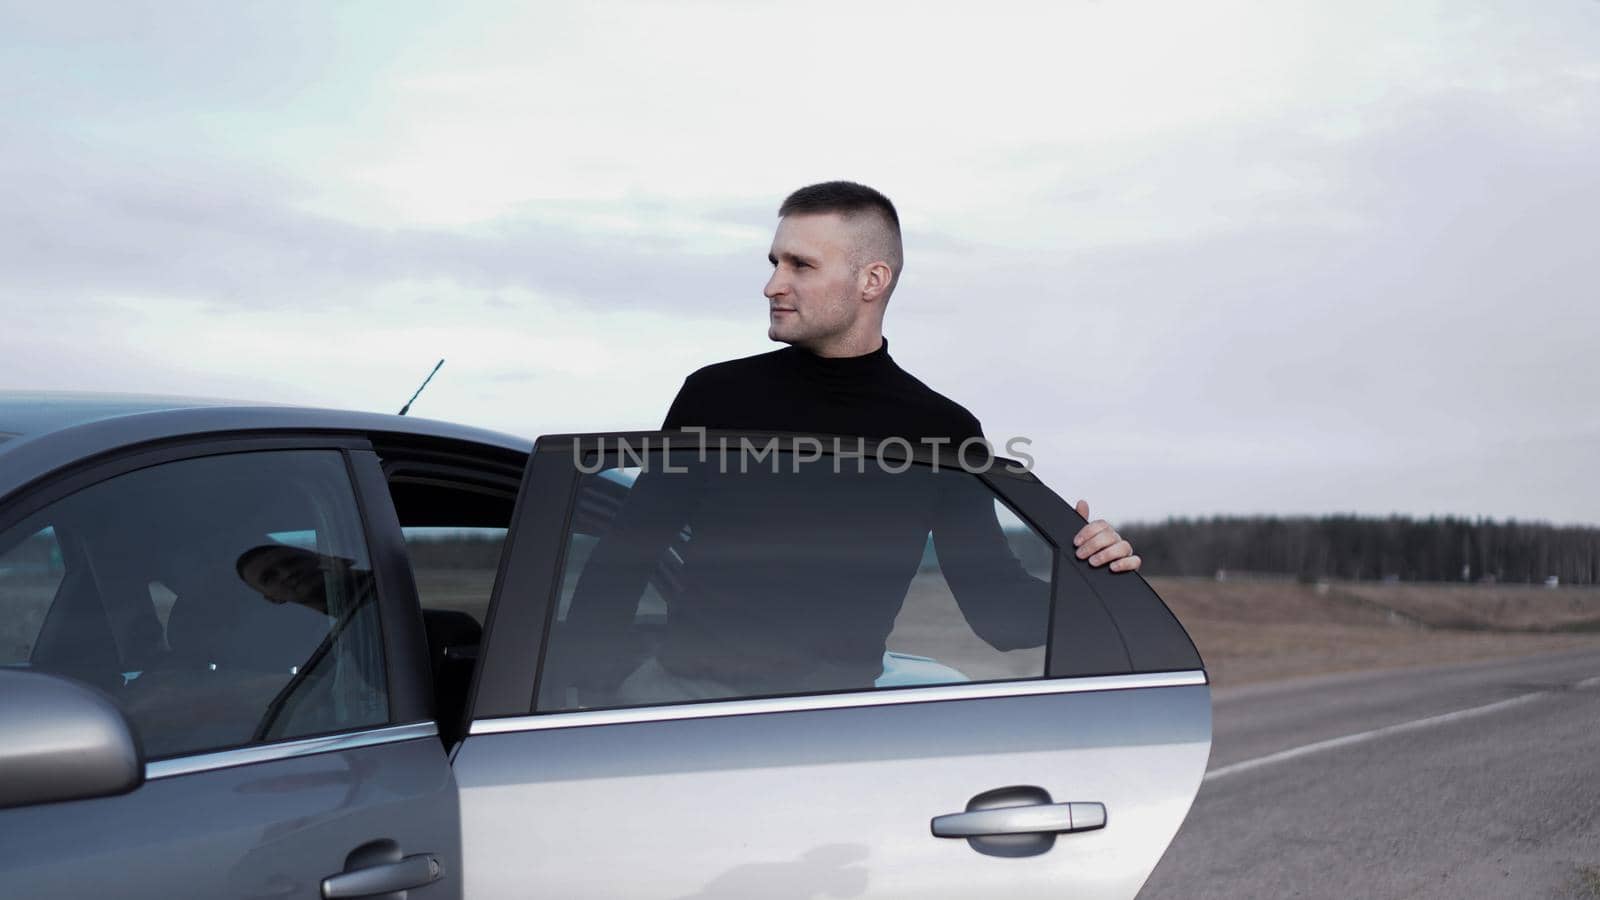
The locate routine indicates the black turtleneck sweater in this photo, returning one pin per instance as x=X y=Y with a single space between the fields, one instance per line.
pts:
x=795 y=390
x=792 y=581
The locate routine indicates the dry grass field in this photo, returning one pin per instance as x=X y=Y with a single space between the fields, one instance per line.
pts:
x=1250 y=631
x=1264 y=630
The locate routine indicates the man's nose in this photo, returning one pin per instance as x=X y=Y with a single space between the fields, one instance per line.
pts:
x=776 y=286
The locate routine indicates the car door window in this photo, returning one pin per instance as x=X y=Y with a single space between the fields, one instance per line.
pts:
x=688 y=580
x=221 y=601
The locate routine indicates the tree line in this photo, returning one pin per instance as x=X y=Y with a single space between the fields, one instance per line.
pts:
x=1359 y=547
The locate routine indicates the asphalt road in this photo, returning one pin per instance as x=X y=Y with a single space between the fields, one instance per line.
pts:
x=1468 y=781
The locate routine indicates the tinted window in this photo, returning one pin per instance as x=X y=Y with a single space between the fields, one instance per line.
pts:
x=713 y=583
x=220 y=601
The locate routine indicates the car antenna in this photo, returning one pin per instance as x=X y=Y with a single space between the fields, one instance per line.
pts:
x=425 y=381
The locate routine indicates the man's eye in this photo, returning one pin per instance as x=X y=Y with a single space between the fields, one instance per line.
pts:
x=801 y=265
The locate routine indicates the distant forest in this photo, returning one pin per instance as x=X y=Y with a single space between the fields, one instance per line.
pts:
x=1355 y=547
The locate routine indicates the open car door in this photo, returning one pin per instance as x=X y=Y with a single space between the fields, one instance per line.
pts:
x=741 y=665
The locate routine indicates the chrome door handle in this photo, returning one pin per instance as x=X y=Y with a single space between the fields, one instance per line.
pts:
x=1037 y=818
x=385 y=878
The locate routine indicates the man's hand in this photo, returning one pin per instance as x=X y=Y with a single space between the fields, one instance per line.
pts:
x=1099 y=543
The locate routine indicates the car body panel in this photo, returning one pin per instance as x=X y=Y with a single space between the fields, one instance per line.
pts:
x=271 y=829
x=830 y=802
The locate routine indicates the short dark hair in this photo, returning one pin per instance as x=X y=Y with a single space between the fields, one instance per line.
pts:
x=851 y=200
x=843 y=197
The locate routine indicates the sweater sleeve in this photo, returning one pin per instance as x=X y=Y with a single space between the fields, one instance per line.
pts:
x=599 y=643
x=1002 y=602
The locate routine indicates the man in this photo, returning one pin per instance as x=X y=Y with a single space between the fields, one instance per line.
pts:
x=791 y=582
x=286 y=574
x=836 y=260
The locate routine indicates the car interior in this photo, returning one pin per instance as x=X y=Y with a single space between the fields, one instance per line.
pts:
x=454 y=507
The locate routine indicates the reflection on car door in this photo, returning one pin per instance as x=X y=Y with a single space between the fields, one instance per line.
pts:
x=806 y=677
x=240 y=606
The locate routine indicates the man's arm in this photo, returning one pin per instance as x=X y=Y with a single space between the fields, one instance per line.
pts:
x=607 y=594
x=655 y=510
x=598 y=634
x=1002 y=603
x=598 y=644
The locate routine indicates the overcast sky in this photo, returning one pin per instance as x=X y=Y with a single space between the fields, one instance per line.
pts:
x=1292 y=257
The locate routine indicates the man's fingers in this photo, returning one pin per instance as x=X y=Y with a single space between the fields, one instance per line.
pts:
x=1114 y=552
x=1088 y=532
x=1127 y=564
x=1083 y=509
x=1103 y=536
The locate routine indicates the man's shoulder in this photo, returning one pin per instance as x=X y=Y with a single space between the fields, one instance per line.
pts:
x=947 y=417
x=733 y=370
x=722 y=395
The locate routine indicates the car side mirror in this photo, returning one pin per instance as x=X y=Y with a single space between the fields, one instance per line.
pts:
x=60 y=740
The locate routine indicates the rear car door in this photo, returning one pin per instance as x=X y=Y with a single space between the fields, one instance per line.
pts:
x=247 y=606
x=754 y=666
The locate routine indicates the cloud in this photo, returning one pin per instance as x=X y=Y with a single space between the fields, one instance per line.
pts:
x=84 y=222
x=1394 y=330
x=1304 y=259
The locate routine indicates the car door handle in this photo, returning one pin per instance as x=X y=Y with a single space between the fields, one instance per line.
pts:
x=385 y=878
x=1036 y=818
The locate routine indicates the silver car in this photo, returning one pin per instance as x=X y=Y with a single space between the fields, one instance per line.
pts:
x=275 y=652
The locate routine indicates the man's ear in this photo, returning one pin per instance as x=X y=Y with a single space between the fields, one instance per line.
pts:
x=876 y=278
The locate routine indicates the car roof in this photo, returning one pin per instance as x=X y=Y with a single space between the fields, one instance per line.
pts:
x=26 y=413
x=44 y=431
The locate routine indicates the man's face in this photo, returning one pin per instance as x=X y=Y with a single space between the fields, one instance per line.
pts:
x=813 y=292
x=285 y=574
